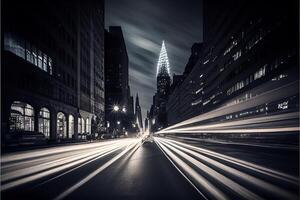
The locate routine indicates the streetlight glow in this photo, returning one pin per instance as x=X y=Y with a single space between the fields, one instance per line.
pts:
x=118 y=122
x=124 y=110
x=116 y=108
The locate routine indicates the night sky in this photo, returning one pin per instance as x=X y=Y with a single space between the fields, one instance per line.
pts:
x=145 y=23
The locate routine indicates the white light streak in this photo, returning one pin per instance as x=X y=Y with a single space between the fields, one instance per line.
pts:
x=215 y=165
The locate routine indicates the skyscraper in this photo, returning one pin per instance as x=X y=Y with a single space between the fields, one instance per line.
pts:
x=158 y=109
x=138 y=113
x=163 y=72
x=116 y=80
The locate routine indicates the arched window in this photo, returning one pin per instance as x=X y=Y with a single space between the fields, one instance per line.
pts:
x=79 y=125
x=61 y=125
x=83 y=125
x=71 y=125
x=21 y=117
x=87 y=129
x=44 y=122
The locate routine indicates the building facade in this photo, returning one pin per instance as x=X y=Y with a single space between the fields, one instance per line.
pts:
x=118 y=102
x=138 y=114
x=52 y=84
x=245 y=57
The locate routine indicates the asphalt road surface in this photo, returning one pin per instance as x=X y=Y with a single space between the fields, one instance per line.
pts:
x=165 y=168
x=143 y=172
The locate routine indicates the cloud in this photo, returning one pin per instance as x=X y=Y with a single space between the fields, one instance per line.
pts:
x=145 y=23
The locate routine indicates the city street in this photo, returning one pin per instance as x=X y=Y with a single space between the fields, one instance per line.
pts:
x=163 y=168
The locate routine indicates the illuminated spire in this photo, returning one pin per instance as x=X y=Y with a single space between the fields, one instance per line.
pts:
x=163 y=66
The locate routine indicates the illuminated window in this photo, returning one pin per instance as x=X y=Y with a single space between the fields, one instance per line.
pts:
x=21 y=117
x=87 y=129
x=71 y=125
x=260 y=73
x=40 y=59
x=79 y=125
x=14 y=45
x=61 y=125
x=44 y=122
x=83 y=125
x=237 y=55
x=28 y=52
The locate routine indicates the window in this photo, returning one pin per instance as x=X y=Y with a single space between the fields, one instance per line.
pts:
x=71 y=125
x=79 y=125
x=44 y=122
x=87 y=126
x=40 y=59
x=61 y=125
x=14 y=45
x=83 y=125
x=50 y=65
x=21 y=117
x=28 y=52
x=45 y=62
x=237 y=55
x=260 y=73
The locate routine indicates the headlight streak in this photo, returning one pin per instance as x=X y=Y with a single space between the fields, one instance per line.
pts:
x=251 y=166
x=240 y=190
x=22 y=163
x=271 y=95
x=21 y=156
x=55 y=163
x=186 y=151
x=221 y=126
x=277 y=146
x=67 y=192
x=14 y=178
x=88 y=163
x=262 y=130
x=200 y=180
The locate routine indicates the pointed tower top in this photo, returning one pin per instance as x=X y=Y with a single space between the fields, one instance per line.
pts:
x=163 y=66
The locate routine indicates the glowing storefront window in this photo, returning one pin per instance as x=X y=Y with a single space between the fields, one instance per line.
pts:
x=44 y=122
x=21 y=117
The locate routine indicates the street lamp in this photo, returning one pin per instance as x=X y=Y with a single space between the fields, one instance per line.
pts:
x=124 y=110
x=116 y=108
x=118 y=122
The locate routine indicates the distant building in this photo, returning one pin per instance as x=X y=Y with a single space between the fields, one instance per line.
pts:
x=138 y=113
x=116 y=81
x=52 y=69
x=146 y=122
x=158 y=113
x=245 y=55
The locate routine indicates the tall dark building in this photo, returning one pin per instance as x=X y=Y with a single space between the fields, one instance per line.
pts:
x=118 y=105
x=245 y=59
x=52 y=69
x=146 y=123
x=138 y=113
x=158 y=109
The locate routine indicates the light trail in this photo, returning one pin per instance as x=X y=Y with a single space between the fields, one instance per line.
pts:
x=242 y=163
x=269 y=96
x=18 y=171
x=196 y=177
x=242 y=126
x=195 y=161
x=254 y=130
x=225 y=142
x=243 y=122
x=131 y=147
